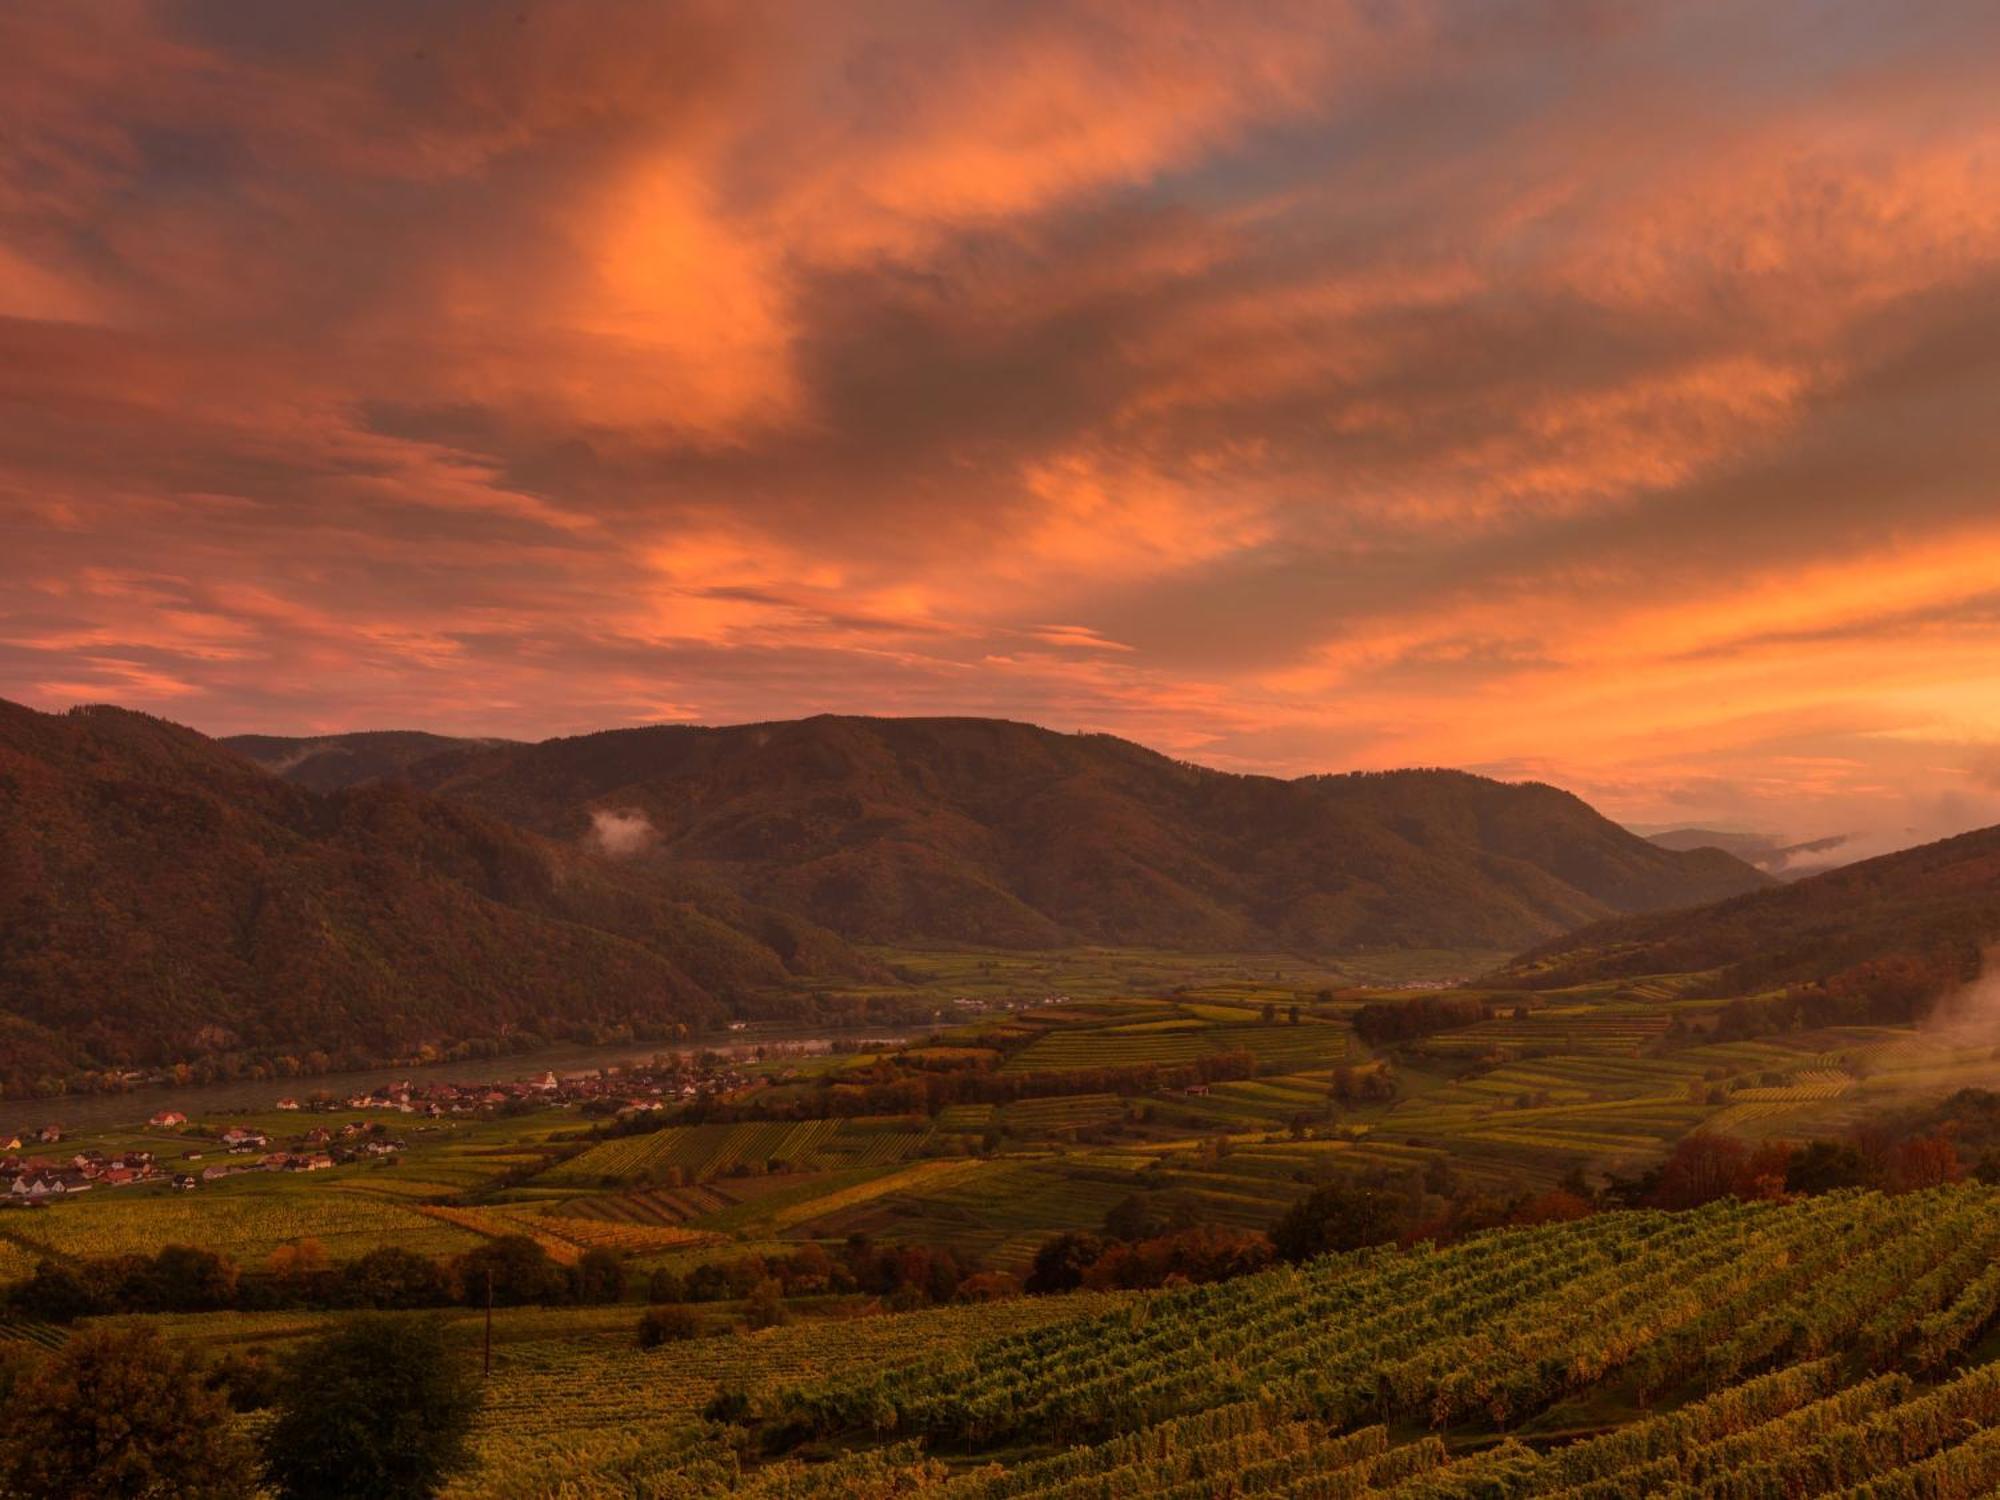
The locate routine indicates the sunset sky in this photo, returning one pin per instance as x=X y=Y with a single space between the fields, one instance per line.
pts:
x=1603 y=391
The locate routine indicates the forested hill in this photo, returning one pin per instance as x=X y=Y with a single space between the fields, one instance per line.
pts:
x=161 y=899
x=993 y=832
x=344 y=760
x=1908 y=925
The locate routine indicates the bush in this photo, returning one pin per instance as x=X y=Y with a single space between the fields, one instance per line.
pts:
x=667 y=1325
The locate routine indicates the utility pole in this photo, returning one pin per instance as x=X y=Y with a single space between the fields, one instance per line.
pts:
x=486 y=1366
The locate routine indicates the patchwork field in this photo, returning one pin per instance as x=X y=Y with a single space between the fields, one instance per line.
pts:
x=699 y=1153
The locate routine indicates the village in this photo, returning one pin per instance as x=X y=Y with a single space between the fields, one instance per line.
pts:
x=42 y=1177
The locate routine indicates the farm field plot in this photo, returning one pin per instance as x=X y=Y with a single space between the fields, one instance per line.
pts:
x=1596 y=1028
x=246 y=1218
x=966 y=1117
x=1113 y=973
x=1247 y=1103
x=918 y=1178
x=660 y=1206
x=1310 y=1043
x=1003 y=1203
x=1063 y=1112
x=697 y=1150
x=702 y=1152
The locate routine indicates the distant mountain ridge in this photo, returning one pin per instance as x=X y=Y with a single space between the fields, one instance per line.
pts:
x=339 y=761
x=1774 y=856
x=988 y=831
x=163 y=900
x=1915 y=921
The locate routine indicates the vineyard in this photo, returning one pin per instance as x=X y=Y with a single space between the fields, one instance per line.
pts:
x=1833 y=1346
x=699 y=1153
x=1492 y=1332
x=1176 y=1037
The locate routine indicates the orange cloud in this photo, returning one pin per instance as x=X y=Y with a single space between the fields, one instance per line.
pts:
x=1597 y=392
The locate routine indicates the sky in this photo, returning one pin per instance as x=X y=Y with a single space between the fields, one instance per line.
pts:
x=1599 y=391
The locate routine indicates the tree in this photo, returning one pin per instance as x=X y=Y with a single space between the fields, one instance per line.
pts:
x=522 y=1272
x=1825 y=1165
x=1701 y=1168
x=379 y=1409
x=117 y=1414
x=390 y=1278
x=1337 y=1217
x=186 y=1278
x=55 y=1294
x=765 y=1306
x=599 y=1276
x=1060 y=1263
x=299 y=1266
x=1925 y=1161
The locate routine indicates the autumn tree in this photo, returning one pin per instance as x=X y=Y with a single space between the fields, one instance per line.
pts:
x=122 y=1414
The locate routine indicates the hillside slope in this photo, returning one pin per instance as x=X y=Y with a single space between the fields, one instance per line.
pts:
x=992 y=832
x=1917 y=919
x=162 y=900
x=340 y=761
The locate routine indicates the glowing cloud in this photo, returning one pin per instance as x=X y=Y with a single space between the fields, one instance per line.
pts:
x=1601 y=393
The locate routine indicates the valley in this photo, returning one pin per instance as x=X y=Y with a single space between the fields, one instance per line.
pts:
x=1551 y=1184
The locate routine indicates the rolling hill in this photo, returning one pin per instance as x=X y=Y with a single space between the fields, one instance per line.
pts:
x=1916 y=920
x=161 y=900
x=998 y=833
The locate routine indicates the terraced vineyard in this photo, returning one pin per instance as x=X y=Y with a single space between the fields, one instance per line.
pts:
x=572 y=1404
x=1064 y=1112
x=1831 y=1347
x=1493 y=1331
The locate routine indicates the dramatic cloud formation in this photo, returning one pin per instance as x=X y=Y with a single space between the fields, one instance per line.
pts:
x=1599 y=390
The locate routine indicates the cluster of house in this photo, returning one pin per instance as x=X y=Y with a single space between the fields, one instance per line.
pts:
x=36 y=1179
x=643 y=1088
x=315 y=1151
x=668 y=1081
x=977 y=1005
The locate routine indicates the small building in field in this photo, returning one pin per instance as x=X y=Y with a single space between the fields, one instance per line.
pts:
x=166 y=1118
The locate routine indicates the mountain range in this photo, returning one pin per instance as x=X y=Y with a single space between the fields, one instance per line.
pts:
x=164 y=899
x=985 y=831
